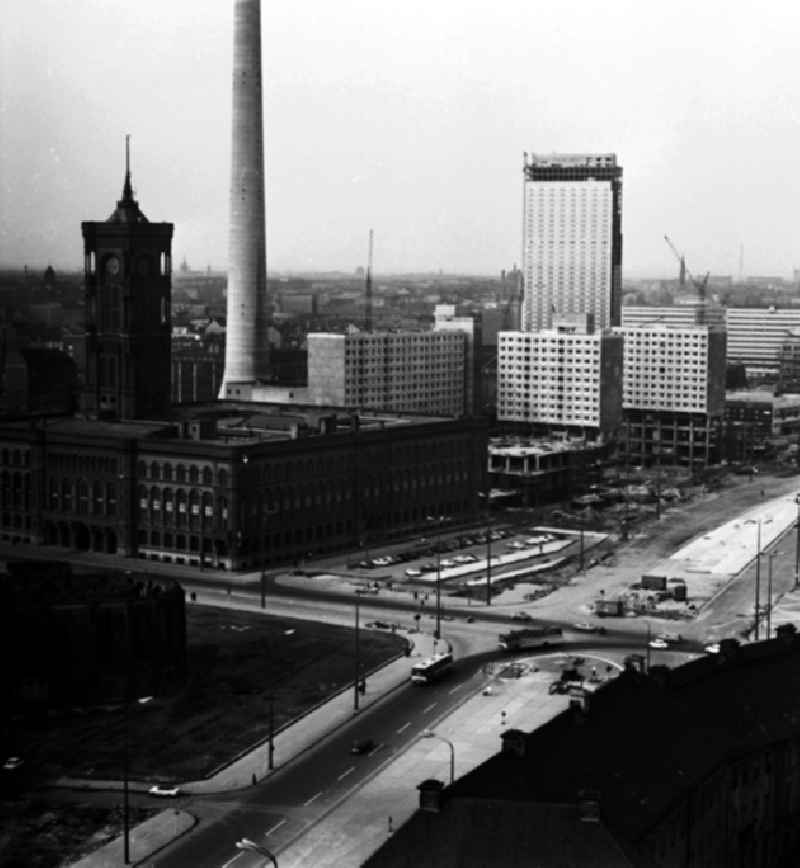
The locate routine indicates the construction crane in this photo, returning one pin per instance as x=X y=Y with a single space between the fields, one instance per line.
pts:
x=699 y=284
x=368 y=290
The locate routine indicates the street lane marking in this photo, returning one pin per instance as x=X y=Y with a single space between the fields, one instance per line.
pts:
x=404 y=727
x=274 y=828
x=343 y=775
x=309 y=801
x=231 y=861
x=426 y=710
x=376 y=748
x=457 y=687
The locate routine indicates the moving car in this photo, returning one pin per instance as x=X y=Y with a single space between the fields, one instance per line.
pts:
x=164 y=791
x=362 y=745
x=12 y=764
x=521 y=616
x=586 y=627
x=713 y=648
x=413 y=572
x=659 y=643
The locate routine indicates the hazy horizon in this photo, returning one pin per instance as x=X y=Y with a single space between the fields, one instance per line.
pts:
x=411 y=120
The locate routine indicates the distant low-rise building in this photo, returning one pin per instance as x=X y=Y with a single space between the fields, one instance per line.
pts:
x=757 y=334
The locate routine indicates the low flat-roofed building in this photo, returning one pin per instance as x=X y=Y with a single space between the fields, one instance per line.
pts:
x=756 y=335
x=542 y=470
x=698 y=765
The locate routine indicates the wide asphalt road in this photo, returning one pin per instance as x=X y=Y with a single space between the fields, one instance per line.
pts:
x=287 y=804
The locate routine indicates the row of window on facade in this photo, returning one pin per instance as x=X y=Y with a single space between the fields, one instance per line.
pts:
x=15 y=457
x=193 y=474
x=180 y=502
x=96 y=499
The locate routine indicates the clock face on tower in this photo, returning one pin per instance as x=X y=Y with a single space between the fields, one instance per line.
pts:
x=112 y=265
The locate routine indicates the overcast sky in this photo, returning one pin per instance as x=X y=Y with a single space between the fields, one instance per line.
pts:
x=409 y=116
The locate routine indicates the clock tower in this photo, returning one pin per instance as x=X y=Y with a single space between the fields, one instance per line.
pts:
x=128 y=263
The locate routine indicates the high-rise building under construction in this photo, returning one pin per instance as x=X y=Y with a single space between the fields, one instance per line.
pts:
x=572 y=238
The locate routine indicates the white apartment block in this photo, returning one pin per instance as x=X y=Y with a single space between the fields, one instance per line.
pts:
x=756 y=335
x=560 y=378
x=572 y=238
x=401 y=372
x=672 y=369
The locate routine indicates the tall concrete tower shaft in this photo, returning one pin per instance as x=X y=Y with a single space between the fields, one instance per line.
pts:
x=246 y=350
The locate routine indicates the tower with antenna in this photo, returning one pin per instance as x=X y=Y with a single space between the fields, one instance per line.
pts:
x=368 y=289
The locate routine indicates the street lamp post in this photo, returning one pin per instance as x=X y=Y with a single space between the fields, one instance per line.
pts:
x=126 y=821
x=769 y=593
x=247 y=844
x=429 y=733
x=271 y=741
x=438 y=631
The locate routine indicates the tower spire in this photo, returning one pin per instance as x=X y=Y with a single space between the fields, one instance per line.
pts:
x=127 y=190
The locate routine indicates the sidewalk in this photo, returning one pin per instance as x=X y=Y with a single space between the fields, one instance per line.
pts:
x=145 y=839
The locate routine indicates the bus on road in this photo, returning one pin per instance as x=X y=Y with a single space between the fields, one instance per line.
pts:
x=530 y=637
x=432 y=668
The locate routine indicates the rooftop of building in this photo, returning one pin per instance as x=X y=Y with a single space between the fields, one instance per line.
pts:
x=227 y=423
x=576 y=160
x=519 y=447
x=45 y=583
x=763 y=396
x=643 y=740
x=586 y=787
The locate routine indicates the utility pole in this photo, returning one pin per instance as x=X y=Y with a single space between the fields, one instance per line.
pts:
x=357 y=666
x=797 y=545
x=264 y=590
x=271 y=747
x=489 y=560
x=758 y=585
x=437 y=632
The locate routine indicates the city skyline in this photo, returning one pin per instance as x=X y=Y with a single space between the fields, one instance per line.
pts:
x=373 y=120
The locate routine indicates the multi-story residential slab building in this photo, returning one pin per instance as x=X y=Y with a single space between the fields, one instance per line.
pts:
x=399 y=372
x=572 y=238
x=673 y=392
x=566 y=378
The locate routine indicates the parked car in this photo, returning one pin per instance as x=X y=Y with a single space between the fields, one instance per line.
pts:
x=521 y=616
x=428 y=568
x=362 y=745
x=413 y=572
x=164 y=791
x=447 y=563
x=382 y=562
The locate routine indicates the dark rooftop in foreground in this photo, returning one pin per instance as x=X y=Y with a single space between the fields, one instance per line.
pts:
x=633 y=752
